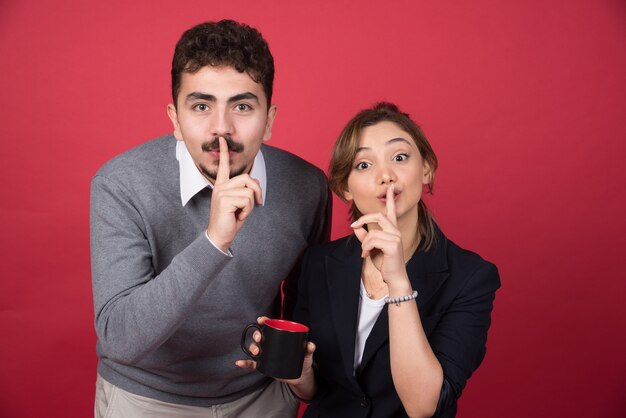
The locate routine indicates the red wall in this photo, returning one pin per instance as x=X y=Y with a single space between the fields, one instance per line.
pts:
x=524 y=103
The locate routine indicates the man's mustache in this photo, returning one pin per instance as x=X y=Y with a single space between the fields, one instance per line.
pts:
x=215 y=145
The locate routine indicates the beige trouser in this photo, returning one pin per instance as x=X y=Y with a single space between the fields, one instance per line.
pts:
x=275 y=400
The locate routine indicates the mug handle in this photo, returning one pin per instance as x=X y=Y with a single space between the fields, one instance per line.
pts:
x=244 y=334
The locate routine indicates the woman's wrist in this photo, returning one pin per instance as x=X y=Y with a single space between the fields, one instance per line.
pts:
x=399 y=287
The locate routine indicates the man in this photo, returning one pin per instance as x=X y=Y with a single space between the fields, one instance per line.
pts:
x=192 y=234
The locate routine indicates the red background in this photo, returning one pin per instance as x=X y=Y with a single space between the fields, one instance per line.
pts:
x=524 y=103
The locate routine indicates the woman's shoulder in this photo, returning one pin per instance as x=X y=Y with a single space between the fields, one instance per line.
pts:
x=468 y=263
x=464 y=256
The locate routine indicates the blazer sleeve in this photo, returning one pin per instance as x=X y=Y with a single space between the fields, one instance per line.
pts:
x=460 y=337
x=312 y=270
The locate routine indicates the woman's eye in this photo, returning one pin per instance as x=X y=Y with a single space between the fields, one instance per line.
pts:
x=401 y=157
x=361 y=165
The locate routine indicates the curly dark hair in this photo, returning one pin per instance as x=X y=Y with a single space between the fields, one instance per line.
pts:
x=224 y=43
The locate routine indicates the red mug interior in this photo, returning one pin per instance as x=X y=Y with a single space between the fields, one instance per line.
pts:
x=283 y=325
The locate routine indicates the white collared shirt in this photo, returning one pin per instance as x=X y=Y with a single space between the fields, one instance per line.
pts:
x=192 y=181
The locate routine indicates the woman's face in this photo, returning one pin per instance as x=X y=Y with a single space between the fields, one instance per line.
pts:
x=387 y=155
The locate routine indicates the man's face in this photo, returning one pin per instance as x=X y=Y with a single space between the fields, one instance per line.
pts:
x=220 y=101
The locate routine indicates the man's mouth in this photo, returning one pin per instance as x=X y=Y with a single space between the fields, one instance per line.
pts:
x=213 y=146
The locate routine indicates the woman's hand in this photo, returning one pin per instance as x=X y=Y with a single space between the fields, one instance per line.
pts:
x=383 y=244
x=304 y=386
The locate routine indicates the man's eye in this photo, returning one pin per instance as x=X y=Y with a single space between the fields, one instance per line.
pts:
x=201 y=107
x=242 y=107
x=361 y=165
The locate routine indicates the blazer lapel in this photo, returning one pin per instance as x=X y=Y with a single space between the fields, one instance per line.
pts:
x=428 y=272
x=343 y=278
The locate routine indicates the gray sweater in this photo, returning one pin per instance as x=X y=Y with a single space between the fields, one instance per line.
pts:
x=169 y=306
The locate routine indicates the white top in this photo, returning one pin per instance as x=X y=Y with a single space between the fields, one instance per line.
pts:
x=192 y=180
x=369 y=309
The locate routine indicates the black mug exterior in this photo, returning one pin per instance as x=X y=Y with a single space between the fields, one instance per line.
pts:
x=281 y=350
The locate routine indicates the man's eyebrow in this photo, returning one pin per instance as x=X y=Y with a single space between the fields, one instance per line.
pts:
x=200 y=96
x=243 y=96
x=211 y=98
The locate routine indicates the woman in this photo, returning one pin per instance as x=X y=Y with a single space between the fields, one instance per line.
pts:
x=398 y=314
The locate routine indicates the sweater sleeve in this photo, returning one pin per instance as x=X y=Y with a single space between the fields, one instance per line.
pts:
x=319 y=233
x=137 y=310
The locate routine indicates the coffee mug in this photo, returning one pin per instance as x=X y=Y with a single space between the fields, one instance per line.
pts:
x=281 y=350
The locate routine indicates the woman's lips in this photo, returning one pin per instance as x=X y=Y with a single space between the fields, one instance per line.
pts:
x=383 y=196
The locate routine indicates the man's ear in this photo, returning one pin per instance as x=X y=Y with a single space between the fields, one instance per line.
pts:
x=173 y=115
x=271 y=115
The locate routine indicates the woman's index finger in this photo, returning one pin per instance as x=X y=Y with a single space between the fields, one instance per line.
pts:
x=391 y=205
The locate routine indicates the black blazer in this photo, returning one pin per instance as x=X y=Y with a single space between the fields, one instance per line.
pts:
x=456 y=293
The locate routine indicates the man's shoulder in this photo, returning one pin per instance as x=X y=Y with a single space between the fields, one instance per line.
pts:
x=143 y=159
x=284 y=159
x=283 y=166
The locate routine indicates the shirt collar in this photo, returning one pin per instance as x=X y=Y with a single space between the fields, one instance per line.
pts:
x=192 y=181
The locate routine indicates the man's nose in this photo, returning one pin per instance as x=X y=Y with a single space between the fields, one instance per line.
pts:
x=221 y=123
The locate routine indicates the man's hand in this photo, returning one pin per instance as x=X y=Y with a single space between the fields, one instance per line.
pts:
x=233 y=200
x=304 y=387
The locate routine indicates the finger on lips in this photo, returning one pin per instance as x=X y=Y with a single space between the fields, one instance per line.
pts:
x=391 y=204
x=223 y=170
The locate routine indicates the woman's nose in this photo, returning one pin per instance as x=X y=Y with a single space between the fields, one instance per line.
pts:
x=386 y=177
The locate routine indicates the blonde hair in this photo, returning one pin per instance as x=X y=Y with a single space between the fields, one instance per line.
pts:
x=345 y=150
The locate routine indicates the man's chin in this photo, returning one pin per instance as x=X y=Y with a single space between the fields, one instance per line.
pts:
x=211 y=175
